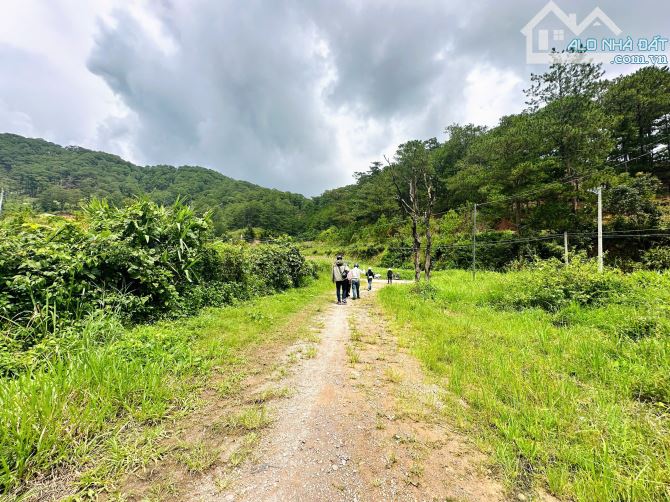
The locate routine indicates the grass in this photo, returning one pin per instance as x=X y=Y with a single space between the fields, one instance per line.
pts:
x=393 y=375
x=89 y=411
x=163 y=490
x=353 y=355
x=198 y=457
x=272 y=393
x=248 y=419
x=244 y=450
x=310 y=352
x=231 y=384
x=578 y=408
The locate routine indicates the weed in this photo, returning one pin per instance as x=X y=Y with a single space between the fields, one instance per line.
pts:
x=230 y=385
x=393 y=375
x=163 y=489
x=198 y=457
x=391 y=460
x=250 y=418
x=222 y=483
x=244 y=450
x=280 y=372
x=272 y=393
x=353 y=355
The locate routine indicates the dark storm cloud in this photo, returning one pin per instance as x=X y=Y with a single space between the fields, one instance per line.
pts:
x=259 y=91
x=278 y=92
x=234 y=89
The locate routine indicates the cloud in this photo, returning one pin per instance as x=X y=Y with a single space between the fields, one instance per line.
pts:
x=291 y=95
x=238 y=90
x=294 y=95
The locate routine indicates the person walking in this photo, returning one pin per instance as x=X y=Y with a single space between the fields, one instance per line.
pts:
x=339 y=276
x=347 y=284
x=370 y=275
x=356 y=283
x=389 y=276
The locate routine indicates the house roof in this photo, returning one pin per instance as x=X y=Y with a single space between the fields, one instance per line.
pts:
x=570 y=21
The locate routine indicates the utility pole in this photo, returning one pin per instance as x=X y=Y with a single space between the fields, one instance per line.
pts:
x=599 y=192
x=600 y=228
x=474 y=241
x=565 y=246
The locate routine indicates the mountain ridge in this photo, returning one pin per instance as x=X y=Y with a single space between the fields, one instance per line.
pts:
x=57 y=177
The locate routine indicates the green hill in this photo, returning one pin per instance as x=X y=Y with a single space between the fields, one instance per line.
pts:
x=56 y=178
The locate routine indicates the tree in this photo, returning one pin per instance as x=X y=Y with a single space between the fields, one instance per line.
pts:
x=631 y=202
x=412 y=174
x=640 y=103
x=566 y=101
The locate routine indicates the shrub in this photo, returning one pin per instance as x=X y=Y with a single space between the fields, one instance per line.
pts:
x=142 y=262
x=424 y=290
x=657 y=258
x=551 y=285
x=278 y=266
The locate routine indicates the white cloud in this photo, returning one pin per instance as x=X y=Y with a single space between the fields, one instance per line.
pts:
x=491 y=93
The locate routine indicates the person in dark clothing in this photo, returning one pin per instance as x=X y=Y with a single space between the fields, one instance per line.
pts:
x=370 y=275
x=339 y=278
x=389 y=276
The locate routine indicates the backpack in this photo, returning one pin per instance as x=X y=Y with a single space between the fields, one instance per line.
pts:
x=343 y=272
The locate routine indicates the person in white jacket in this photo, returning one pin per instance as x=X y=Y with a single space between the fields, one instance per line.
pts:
x=356 y=283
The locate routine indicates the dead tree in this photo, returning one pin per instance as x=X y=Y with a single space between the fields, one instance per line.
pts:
x=408 y=173
x=427 y=216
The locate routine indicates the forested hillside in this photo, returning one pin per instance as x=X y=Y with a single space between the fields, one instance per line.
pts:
x=531 y=176
x=57 y=178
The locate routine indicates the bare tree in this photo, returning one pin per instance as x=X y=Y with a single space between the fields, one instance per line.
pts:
x=427 y=216
x=415 y=192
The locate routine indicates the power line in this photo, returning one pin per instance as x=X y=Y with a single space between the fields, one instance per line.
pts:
x=508 y=242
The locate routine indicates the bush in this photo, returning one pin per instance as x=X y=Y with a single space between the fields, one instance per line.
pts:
x=551 y=285
x=142 y=262
x=657 y=258
x=424 y=290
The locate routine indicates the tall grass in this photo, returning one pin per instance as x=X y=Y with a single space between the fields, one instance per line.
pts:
x=567 y=400
x=77 y=407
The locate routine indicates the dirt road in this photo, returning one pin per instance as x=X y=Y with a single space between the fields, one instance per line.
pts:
x=361 y=424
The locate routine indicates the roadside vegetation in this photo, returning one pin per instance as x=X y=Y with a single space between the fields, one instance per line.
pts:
x=85 y=382
x=560 y=372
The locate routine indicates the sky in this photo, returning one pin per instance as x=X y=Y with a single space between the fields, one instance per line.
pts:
x=290 y=94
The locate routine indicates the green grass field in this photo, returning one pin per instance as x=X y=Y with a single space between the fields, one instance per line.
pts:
x=103 y=407
x=567 y=401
